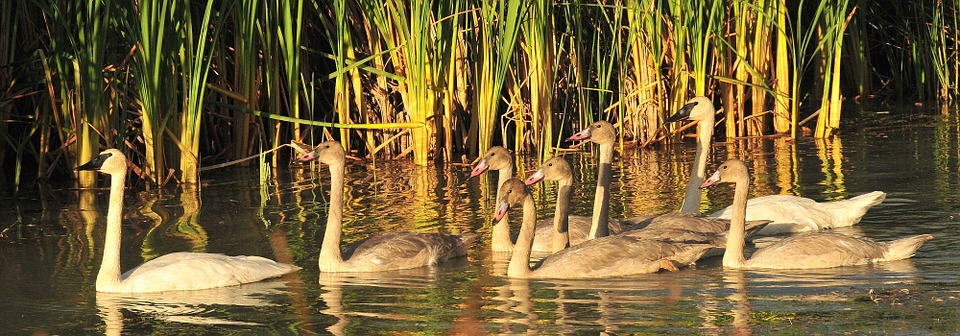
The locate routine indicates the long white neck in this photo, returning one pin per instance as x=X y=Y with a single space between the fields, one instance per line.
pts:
x=601 y=199
x=500 y=240
x=691 y=200
x=109 y=276
x=519 y=266
x=561 y=232
x=330 y=257
x=733 y=256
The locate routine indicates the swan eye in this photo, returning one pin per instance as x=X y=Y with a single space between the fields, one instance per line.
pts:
x=696 y=103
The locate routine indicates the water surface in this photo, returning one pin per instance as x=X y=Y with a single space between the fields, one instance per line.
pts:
x=50 y=249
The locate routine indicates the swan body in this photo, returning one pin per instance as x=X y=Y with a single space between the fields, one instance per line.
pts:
x=788 y=213
x=791 y=214
x=608 y=256
x=170 y=272
x=384 y=252
x=574 y=230
x=805 y=251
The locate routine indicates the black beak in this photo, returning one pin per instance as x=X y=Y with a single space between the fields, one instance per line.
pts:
x=94 y=164
x=682 y=114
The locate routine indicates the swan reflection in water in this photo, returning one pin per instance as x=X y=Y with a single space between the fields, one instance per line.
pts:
x=401 y=289
x=193 y=307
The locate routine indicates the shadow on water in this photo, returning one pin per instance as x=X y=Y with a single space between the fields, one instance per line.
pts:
x=51 y=241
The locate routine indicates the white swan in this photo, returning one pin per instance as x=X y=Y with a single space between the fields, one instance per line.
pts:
x=170 y=272
x=384 y=252
x=806 y=251
x=789 y=213
x=602 y=257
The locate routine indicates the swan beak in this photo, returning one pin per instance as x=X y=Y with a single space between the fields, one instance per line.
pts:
x=479 y=169
x=94 y=164
x=534 y=178
x=714 y=179
x=310 y=156
x=501 y=211
x=582 y=135
x=682 y=114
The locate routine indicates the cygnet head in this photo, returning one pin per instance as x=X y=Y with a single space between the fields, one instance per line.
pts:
x=495 y=158
x=512 y=192
x=601 y=132
x=555 y=169
x=698 y=108
x=731 y=171
x=110 y=161
x=328 y=152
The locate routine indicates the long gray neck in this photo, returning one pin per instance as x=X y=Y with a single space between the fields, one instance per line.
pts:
x=601 y=200
x=519 y=266
x=561 y=233
x=500 y=240
x=733 y=256
x=330 y=255
x=109 y=275
x=691 y=200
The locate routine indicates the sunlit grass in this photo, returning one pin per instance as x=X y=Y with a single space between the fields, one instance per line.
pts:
x=178 y=84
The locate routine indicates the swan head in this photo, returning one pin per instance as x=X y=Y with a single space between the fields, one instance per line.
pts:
x=698 y=108
x=731 y=171
x=111 y=161
x=329 y=152
x=495 y=158
x=601 y=132
x=554 y=169
x=512 y=192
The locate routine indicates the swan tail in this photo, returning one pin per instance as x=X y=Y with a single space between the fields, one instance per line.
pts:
x=905 y=248
x=465 y=240
x=850 y=211
x=754 y=226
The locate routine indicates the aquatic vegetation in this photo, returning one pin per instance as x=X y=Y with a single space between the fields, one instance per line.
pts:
x=181 y=85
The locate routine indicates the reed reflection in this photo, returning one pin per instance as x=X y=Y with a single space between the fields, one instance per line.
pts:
x=830 y=152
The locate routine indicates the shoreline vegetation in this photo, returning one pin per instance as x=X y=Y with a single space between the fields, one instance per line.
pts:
x=186 y=84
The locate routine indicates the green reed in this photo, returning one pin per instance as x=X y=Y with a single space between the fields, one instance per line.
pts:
x=435 y=78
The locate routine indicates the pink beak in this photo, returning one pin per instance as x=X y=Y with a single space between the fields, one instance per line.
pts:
x=582 y=135
x=534 y=178
x=479 y=169
x=714 y=179
x=501 y=211
x=310 y=156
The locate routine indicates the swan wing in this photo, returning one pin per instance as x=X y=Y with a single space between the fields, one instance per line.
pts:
x=788 y=213
x=616 y=256
x=191 y=271
x=402 y=250
x=578 y=227
x=817 y=250
x=682 y=221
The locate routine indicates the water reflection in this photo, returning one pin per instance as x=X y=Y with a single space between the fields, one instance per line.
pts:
x=50 y=248
x=204 y=307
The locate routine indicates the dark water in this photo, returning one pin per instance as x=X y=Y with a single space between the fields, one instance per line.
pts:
x=50 y=251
